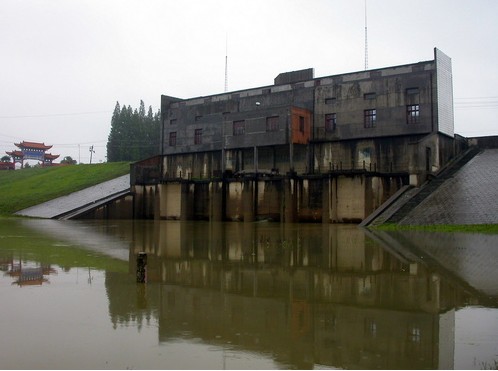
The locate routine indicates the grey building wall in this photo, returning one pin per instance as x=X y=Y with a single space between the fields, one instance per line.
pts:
x=380 y=116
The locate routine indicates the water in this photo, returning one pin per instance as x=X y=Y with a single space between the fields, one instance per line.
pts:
x=244 y=296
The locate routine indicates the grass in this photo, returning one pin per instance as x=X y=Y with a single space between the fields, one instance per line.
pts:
x=23 y=188
x=468 y=228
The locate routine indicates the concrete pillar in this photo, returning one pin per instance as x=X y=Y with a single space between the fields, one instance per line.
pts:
x=333 y=200
x=248 y=200
x=326 y=200
x=170 y=200
x=157 y=202
x=187 y=201
x=216 y=207
x=289 y=201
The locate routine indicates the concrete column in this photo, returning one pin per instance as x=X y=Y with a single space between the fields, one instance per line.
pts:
x=289 y=201
x=216 y=211
x=157 y=202
x=333 y=200
x=248 y=200
x=326 y=200
x=187 y=201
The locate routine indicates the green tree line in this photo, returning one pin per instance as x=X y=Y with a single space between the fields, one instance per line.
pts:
x=134 y=135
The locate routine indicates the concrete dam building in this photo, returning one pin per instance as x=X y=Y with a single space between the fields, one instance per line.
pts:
x=327 y=149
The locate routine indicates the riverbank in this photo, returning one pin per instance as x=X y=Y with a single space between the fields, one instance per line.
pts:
x=24 y=188
x=467 y=228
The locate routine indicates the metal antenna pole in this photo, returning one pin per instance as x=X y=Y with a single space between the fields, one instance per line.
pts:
x=366 y=38
x=226 y=64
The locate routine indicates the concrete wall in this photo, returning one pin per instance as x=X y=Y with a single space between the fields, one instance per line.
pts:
x=387 y=143
x=329 y=199
x=389 y=91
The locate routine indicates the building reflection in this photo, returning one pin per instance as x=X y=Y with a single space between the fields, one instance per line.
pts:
x=25 y=273
x=306 y=294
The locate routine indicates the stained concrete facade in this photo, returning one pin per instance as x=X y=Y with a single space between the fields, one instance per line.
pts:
x=329 y=149
x=391 y=119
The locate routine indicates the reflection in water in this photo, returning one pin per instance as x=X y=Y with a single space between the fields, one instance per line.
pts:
x=28 y=273
x=262 y=295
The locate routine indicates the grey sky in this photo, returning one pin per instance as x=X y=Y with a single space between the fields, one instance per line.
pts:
x=64 y=64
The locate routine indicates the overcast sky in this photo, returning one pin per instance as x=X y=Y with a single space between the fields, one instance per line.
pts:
x=64 y=64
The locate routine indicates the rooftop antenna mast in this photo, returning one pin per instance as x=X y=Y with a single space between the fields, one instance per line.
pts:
x=366 y=38
x=226 y=64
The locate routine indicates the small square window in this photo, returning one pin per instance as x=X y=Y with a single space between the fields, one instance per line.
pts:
x=413 y=114
x=370 y=118
x=198 y=118
x=172 y=138
x=272 y=123
x=172 y=122
x=198 y=136
x=330 y=122
x=330 y=100
x=239 y=127
x=369 y=96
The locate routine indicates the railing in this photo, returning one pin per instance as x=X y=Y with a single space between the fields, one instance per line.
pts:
x=362 y=165
x=150 y=171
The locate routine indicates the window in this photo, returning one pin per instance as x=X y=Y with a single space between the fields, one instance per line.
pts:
x=198 y=136
x=329 y=100
x=172 y=138
x=368 y=96
x=172 y=122
x=272 y=123
x=413 y=114
x=330 y=122
x=198 y=118
x=412 y=91
x=370 y=118
x=239 y=127
x=301 y=124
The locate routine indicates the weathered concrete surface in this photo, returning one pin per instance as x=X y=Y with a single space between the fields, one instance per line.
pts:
x=469 y=197
x=75 y=200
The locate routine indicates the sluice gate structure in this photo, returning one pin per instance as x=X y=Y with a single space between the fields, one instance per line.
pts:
x=340 y=196
x=305 y=149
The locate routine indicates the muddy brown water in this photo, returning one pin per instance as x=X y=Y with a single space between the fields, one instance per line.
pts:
x=244 y=296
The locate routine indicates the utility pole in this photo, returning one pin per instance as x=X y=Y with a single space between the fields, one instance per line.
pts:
x=91 y=153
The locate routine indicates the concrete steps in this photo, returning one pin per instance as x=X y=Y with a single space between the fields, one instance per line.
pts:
x=407 y=198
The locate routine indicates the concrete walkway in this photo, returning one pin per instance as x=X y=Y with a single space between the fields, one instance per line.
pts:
x=469 y=197
x=76 y=200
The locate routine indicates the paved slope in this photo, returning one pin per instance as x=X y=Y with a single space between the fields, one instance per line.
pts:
x=470 y=196
x=79 y=199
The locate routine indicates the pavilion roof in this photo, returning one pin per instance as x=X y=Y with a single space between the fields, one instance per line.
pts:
x=15 y=153
x=36 y=145
x=50 y=156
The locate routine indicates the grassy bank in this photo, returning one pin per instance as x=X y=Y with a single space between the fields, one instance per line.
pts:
x=468 y=228
x=23 y=188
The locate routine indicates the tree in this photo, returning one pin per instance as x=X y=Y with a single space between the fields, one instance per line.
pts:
x=5 y=159
x=68 y=160
x=134 y=134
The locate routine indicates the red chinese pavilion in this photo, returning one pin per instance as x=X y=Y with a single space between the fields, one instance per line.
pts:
x=33 y=151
